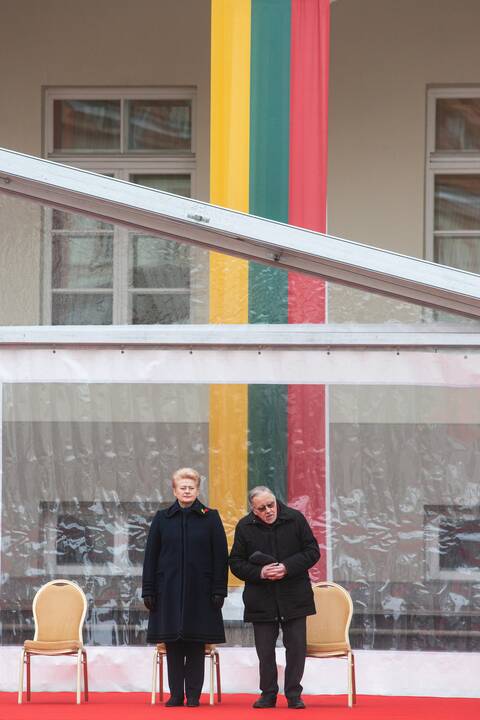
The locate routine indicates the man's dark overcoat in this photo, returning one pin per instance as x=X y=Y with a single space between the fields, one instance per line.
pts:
x=291 y=542
x=186 y=562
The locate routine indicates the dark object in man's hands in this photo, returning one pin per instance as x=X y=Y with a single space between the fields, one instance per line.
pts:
x=217 y=601
x=261 y=558
x=149 y=602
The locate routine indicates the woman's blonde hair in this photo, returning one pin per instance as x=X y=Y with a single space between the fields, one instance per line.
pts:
x=186 y=472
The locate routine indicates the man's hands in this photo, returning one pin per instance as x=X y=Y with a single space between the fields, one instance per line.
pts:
x=149 y=602
x=273 y=571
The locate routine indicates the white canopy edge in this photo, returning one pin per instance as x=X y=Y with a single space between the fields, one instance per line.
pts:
x=254 y=336
x=448 y=367
x=241 y=235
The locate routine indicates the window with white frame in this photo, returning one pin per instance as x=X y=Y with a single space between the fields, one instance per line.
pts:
x=453 y=177
x=95 y=537
x=97 y=273
x=452 y=542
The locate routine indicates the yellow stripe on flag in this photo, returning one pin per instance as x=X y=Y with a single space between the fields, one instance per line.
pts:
x=229 y=148
x=229 y=187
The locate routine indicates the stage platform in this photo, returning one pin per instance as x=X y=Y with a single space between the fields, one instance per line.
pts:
x=136 y=706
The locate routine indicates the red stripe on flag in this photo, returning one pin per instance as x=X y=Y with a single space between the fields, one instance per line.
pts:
x=309 y=55
x=306 y=461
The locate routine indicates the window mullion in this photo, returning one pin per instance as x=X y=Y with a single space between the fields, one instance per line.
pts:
x=122 y=126
x=120 y=279
x=47 y=267
x=120 y=269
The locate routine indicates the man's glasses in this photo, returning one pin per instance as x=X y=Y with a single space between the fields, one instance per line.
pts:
x=267 y=506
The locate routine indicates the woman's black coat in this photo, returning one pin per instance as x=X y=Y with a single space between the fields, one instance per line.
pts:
x=186 y=561
x=291 y=542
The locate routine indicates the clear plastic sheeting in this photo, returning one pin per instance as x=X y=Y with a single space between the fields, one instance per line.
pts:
x=405 y=520
x=85 y=466
x=349 y=305
x=62 y=268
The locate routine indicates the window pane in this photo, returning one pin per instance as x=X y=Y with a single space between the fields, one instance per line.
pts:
x=458 y=252
x=457 y=124
x=160 y=309
x=457 y=202
x=176 y=184
x=84 y=537
x=76 y=309
x=158 y=263
x=82 y=261
x=86 y=125
x=159 y=124
x=74 y=221
x=459 y=544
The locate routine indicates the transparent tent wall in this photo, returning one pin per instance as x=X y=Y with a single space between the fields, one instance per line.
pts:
x=85 y=466
x=61 y=268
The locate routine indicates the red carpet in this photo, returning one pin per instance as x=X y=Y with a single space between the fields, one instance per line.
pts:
x=130 y=706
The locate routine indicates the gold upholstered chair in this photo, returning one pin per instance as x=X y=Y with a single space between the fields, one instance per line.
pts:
x=327 y=631
x=210 y=652
x=59 y=609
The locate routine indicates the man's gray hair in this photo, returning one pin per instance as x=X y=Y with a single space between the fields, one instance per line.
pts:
x=258 y=490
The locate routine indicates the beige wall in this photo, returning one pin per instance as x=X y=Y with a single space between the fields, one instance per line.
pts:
x=384 y=54
x=91 y=43
x=20 y=261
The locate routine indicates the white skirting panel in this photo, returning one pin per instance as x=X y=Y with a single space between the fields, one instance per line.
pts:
x=122 y=669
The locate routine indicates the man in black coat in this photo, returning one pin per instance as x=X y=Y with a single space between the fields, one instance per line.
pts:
x=272 y=551
x=184 y=585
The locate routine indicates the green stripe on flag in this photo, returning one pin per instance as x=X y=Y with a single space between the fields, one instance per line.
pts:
x=269 y=147
x=269 y=168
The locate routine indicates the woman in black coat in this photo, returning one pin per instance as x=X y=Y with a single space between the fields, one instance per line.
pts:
x=184 y=585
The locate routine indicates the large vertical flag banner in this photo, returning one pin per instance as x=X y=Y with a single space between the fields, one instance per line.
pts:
x=269 y=105
x=228 y=301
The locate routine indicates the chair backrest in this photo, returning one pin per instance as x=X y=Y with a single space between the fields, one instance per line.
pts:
x=59 y=609
x=334 y=613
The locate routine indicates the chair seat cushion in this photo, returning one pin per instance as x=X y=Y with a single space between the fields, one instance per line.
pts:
x=56 y=647
x=209 y=648
x=327 y=649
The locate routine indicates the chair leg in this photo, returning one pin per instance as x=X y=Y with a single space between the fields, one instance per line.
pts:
x=79 y=676
x=20 y=678
x=219 y=686
x=85 y=675
x=160 y=670
x=354 y=683
x=154 y=676
x=350 y=684
x=212 y=661
x=29 y=696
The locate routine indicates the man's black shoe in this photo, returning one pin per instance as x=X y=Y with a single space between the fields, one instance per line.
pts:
x=193 y=702
x=296 y=703
x=265 y=702
x=174 y=702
